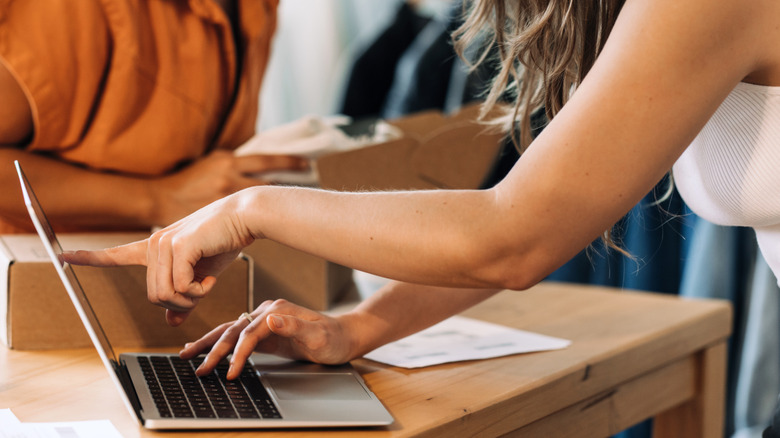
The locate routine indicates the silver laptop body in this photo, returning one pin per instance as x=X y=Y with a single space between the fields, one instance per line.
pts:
x=297 y=394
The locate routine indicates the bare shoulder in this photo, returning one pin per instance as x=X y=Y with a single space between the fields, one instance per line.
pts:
x=712 y=31
x=765 y=23
x=16 y=122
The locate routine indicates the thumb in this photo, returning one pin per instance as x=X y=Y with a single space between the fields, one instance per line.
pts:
x=301 y=330
x=282 y=325
x=175 y=318
x=305 y=332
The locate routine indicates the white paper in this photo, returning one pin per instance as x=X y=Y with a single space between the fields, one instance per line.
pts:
x=458 y=339
x=7 y=418
x=11 y=427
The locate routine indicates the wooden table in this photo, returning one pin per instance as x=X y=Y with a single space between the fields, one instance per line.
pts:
x=633 y=356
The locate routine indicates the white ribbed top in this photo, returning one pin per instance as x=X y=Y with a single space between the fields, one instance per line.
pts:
x=730 y=174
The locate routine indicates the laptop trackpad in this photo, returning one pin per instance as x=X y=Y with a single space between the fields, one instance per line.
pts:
x=316 y=386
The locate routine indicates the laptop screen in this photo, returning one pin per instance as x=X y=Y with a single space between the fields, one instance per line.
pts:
x=65 y=271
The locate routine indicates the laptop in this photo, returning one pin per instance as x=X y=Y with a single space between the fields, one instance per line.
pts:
x=162 y=391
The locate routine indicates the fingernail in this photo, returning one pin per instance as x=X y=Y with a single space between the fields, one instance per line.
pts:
x=277 y=321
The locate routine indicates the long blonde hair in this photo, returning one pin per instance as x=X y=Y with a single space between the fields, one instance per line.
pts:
x=545 y=48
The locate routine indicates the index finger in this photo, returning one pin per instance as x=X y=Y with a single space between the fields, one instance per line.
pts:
x=255 y=333
x=129 y=254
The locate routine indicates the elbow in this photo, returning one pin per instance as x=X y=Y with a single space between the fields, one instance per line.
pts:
x=509 y=266
x=514 y=278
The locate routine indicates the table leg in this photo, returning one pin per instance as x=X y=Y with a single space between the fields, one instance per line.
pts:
x=702 y=416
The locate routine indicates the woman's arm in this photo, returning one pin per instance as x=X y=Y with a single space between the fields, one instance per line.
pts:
x=78 y=197
x=664 y=70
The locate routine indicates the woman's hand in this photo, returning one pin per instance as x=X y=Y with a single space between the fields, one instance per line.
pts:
x=183 y=259
x=277 y=327
x=213 y=177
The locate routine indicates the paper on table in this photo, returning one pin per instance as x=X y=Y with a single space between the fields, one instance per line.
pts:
x=11 y=427
x=7 y=418
x=458 y=339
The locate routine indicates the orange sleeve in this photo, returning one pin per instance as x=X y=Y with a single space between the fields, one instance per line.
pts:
x=58 y=53
x=259 y=21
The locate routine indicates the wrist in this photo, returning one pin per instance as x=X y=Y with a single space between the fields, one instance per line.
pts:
x=358 y=332
x=153 y=208
x=132 y=201
x=254 y=210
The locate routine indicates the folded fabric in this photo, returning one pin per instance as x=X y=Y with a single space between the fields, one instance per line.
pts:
x=311 y=137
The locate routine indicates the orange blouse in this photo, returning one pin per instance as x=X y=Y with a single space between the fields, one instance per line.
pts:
x=137 y=86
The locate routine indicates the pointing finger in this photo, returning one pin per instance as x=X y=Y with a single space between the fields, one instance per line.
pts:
x=192 y=349
x=222 y=347
x=252 y=335
x=130 y=254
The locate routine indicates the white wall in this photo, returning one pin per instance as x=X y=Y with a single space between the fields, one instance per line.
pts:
x=314 y=45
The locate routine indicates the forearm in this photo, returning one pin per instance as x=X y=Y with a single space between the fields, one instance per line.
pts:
x=444 y=237
x=401 y=309
x=76 y=197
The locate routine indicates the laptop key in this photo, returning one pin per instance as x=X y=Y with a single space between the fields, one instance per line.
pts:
x=258 y=394
x=178 y=392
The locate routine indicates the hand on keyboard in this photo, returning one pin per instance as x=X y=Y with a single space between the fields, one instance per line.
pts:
x=277 y=327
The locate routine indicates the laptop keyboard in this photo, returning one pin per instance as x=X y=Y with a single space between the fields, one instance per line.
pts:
x=178 y=392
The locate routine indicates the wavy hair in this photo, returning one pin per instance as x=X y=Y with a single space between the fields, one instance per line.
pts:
x=544 y=49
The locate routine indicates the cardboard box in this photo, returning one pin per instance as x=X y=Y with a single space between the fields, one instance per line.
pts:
x=36 y=311
x=436 y=151
x=301 y=278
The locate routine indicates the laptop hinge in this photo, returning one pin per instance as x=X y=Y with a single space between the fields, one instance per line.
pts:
x=127 y=383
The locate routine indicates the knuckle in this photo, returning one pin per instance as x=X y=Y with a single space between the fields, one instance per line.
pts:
x=177 y=244
x=265 y=304
x=282 y=301
x=233 y=329
x=278 y=304
x=248 y=331
x=163 y=235
x=164 y=241
x=157 y=235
